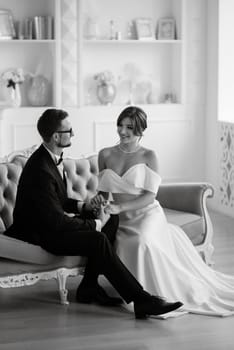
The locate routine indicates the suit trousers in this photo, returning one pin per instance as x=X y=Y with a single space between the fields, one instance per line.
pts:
x=102 y=258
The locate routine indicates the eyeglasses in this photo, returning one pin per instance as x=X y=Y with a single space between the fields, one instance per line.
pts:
x=70 y=131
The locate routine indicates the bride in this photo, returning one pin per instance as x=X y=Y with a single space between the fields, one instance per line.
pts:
x=159 y=254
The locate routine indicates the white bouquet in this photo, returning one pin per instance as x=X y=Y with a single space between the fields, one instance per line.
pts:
x=104 y=78
x=12 y=77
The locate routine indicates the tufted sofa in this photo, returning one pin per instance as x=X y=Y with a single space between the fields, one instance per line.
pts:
x=23 y=264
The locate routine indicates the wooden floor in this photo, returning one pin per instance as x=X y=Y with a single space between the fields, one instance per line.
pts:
x=30 y=318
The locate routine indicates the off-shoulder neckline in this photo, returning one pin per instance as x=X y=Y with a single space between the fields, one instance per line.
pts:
x=129 y=169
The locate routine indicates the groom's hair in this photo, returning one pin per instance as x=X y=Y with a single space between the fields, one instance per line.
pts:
x=138 y=118
x=49 y=122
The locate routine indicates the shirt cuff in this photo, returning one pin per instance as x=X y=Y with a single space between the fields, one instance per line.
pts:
x=98 y=225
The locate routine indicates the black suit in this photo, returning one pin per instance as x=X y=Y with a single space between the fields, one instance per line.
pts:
x=39 y=218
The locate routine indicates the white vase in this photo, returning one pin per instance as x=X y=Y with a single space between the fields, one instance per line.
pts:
x=13 y=95
x=106 y=93
x=38 y=91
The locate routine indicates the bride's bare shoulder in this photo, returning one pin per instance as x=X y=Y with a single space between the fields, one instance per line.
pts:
x=107 y=151
x=150 y=158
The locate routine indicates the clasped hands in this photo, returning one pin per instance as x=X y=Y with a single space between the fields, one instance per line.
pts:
x=101 y=208
x=98 y=202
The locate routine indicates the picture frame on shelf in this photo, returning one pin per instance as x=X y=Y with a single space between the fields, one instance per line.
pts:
x=144 y=29
x=7 y=29
x=166 y=29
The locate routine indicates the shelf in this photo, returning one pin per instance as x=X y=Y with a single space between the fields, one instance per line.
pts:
x=130 y=42
x=26 y=41
x=149 y=105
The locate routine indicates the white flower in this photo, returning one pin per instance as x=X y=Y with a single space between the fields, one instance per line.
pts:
x=104 y=78
x=12 y=77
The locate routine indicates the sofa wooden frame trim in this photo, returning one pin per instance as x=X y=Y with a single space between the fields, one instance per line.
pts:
x=31 y=278
x=206 y=249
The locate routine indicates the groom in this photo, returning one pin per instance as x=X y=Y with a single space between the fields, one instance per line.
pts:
x=40 y=218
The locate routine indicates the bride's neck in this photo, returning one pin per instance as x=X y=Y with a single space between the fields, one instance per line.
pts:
x=129 y=148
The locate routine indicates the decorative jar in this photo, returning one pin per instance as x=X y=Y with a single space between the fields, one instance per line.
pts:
x=106 y=93
x=38 y=90
x=106 y=89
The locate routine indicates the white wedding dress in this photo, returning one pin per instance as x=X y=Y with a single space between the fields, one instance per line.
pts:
x=159 y=254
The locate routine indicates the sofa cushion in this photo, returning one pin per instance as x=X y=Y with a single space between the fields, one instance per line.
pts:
x=192 y=224
x=12 y=268
x=14 y=249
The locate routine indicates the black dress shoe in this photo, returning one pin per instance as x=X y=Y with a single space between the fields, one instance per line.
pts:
x=96 y=295
x=154 y=306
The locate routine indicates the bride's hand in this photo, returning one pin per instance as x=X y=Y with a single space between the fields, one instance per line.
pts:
x=112 y=209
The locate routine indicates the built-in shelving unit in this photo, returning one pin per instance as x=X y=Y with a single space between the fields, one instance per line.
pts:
x=158 y=63
x=35 y=56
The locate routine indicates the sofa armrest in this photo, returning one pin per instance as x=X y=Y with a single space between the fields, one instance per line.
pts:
x=188 y=197
x=191 y=198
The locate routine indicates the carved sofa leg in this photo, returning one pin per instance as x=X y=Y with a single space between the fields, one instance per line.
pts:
x=62 y=275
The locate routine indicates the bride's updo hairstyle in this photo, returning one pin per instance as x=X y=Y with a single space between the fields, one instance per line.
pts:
x=138 y=118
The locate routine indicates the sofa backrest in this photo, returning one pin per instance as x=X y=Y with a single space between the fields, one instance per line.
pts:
x=9 y=178
x=81 y=182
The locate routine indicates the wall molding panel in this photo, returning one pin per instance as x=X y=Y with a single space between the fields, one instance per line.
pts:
x=226 y=161
x=24 y=136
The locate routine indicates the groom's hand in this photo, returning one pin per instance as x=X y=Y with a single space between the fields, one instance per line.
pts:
x=97 y=201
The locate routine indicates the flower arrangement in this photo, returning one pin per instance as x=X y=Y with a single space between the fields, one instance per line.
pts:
x=13 y=77
x=104 y=78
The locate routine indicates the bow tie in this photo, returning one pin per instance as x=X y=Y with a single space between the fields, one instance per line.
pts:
x=60 y=159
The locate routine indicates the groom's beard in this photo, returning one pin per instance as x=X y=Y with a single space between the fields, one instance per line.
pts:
x=64 y=145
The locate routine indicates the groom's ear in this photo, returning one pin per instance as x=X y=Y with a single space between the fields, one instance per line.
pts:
x=55 y=136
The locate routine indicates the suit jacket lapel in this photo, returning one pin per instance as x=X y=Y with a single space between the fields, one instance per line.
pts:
x=54 y=169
